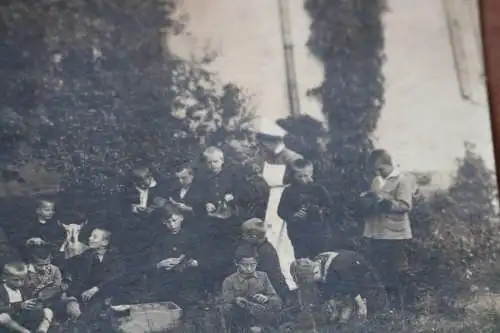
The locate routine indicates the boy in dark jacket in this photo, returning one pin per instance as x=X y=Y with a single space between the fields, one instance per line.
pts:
x=93 y=274
x=174 y=258
x=254 y=237
x=304 y=206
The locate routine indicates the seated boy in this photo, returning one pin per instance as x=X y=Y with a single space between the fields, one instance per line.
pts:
x=173 y=254
x=18 y=314
x=138 y=198
x=93 y=274
x=304 y=206
x=44 y=280
x=43 y=224
x=249 y=300
x=254 y=236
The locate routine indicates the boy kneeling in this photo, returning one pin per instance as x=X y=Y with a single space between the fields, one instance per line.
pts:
x=249 y=300
x=16 y=313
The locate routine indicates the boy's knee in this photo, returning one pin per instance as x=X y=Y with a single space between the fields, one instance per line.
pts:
x=48 y=313
x=5 y=318
x=73 y=310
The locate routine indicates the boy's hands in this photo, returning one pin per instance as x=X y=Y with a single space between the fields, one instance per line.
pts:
x=259 y=298
x=169 y=263
x=301 y=214
x=180 y=205
x=88 y=294
x=30 y=304
x=210 y=207
x=137 y=208
x=241 y=301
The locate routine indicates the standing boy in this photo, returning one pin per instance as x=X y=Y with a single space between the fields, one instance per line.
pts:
x=387 y=223
x=219 y=197
x=304 y=206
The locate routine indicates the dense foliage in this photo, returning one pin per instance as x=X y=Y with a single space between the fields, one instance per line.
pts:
x=347 y=36
x=89 y=89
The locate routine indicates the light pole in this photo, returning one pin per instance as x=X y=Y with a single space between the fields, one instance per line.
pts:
x=291 y=77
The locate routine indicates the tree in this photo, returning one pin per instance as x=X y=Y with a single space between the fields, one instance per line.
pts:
x=347 y=37
x=106 y=91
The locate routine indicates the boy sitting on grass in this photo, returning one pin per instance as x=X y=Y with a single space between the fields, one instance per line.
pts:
x=174 y=255
x=249 y=301
x=17 y=313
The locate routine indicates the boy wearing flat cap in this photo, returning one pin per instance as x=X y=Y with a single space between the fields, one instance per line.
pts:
x=254 y=238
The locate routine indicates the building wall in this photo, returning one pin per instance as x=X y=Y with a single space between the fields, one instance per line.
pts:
x=424 y=122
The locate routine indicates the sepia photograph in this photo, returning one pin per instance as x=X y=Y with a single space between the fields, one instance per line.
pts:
x=246 y=166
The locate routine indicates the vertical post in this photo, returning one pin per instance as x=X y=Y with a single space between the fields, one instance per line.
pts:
x=291 y=77
x=459 y=54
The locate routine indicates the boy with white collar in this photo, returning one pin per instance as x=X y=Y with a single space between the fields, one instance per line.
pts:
x=346 y=282
x=17 y=313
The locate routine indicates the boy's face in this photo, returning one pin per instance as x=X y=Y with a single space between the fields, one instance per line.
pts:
x=98 y=239
x=46 y=210
x=143 y=179
x=305 y=175
x=247 y=266
x=382 y=169
x=174 y=223
x=215 y=162
x=184 y=177
x=40 y=267
x=15 y=281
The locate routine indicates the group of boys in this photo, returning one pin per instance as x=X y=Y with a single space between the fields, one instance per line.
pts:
x=182 y=244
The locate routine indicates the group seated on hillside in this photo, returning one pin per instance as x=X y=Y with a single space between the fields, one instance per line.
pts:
x=202 y=238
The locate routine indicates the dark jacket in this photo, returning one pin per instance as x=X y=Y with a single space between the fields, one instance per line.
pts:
x=80 y=269
x=312 y=197
x=269 y=263
x=168 y=245
x=129 y=195
x=349 y=274
x=254 y=197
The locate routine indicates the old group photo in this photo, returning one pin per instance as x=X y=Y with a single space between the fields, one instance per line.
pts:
x=242 y=166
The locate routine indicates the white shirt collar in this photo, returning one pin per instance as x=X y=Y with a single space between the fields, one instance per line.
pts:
x=279 y=148
x=151 y=185
x=328 y=262
x=15 y=296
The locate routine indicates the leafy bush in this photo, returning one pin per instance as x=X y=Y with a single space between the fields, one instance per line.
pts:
x=97 y=91
x=347 y=36
x=454 y=237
